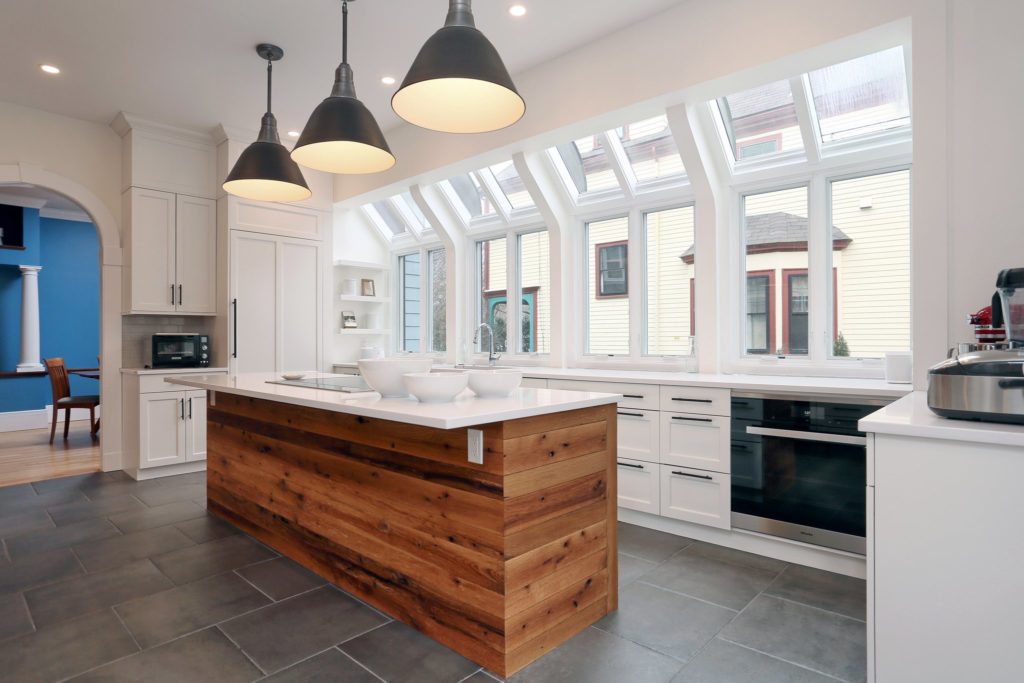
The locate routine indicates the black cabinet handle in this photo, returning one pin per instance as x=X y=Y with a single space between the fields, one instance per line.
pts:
x=631 y=414
x=181 y=300
x=626 y=464
x=190 y=408
x=740 y=403
x=1011 y=384
x=695 y=476
x=182 y=409
x=692 y=419
x=640 y=396
x=740 y=447
x=234 y=325
x=172 y=295
x=693 y=400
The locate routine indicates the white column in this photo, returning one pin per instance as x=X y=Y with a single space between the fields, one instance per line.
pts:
x=30 y=319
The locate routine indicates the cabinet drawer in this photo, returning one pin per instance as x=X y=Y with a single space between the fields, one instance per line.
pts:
x=698 y=441
x=639 y=434
x=695 y=400
x=644 y=396
x=638 y=486
x=534 y=383
x=695 y=496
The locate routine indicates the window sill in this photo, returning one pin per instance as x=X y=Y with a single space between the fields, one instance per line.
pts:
x=791 y=367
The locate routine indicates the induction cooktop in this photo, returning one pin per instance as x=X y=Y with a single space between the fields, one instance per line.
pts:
x=349 y=384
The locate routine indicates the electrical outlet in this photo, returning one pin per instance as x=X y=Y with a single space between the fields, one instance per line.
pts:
x=476 y=446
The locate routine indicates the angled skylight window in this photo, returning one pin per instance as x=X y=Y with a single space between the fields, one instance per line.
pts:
x=587 y=163
x=651 y=149
x=862 y=96
x=472 y=196
x=390 y=217
x=414 y=209
x=512 y=185
x=761 y=121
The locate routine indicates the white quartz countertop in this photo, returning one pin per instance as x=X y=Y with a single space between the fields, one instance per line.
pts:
x=171 y=371
x=910 y=416
x=835 y=386
x=466 y=411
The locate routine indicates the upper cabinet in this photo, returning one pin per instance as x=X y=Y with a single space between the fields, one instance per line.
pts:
x=171 y=253
x=161 y=157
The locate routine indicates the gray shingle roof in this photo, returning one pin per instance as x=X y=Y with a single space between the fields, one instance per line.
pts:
x=785 y=230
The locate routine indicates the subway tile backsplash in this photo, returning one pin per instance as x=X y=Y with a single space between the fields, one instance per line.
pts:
x=137 y=332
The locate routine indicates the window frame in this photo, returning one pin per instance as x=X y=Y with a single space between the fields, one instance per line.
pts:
x=598 y=288
x=425 y=312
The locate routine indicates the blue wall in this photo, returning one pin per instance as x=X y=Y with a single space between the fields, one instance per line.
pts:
x=69 y=306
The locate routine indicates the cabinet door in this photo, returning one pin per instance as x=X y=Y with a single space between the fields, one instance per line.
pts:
x=195 y=436
x=152 y=217
x=695 y=496
x=162 y=421
x=638 y=434
x=638 y=486
x=299 y=275
x=699 y=441
x=253 y=314
x=196 y=255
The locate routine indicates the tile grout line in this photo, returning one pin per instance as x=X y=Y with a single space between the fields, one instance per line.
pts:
x=781 y=659
x=240 y=649
x=123 y=624
x=360 y=664
x=687 y=595
x=814 y=607
x=257 y=588
x=463 y=680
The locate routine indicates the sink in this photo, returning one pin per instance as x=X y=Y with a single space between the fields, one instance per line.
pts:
x=481 y=366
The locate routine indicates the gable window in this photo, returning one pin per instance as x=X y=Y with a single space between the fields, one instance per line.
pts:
x=410 y=287
x=608 y=301
x=668 y=281
x=760 y=334
x=612 y=269
x=437 y=275
x=794 y=332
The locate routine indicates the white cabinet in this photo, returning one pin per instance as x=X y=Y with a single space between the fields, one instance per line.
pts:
x=276 y=302
x=638 y=434
x=195 y=432
x=171 y=253
x=172 y=428
x=643 y=396
x=700 y=400
x=638 y=486
x=695 y=496
x=698 y=441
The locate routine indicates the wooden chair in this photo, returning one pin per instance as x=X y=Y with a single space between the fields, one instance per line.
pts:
x=63 y=400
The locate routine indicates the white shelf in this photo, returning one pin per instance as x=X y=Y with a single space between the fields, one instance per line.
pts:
x=361 y=265
x=364 y=331
x=367 y=299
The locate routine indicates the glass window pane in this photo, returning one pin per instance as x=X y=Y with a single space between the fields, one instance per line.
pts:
x=669 y=270
x=438 y=274
x=392 y=219
x=409 y=305
x=761 y=121
x=467 y=188
x=406 y=197
x=863 y=95
x=535 y=280
x=587 y=163
x=775 y=236
x=871 y=264
x=512 y=185
x=651 y=149
x=608 y=314
x=493 y=309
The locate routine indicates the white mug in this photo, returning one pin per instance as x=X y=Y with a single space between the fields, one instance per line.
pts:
x=350 y=287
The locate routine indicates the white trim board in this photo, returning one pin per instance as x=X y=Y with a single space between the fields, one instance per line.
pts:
x=16 y=421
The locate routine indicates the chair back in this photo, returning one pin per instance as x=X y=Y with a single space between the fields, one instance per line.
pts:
x=58 y=378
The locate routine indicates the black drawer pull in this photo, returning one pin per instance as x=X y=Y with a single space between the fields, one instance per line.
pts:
x=693 y=400
x=692 y=419
x=740 y=403
x=626 y=464
x=740 y=447
x=695 y=476
x=631 y=414
x=640 y=396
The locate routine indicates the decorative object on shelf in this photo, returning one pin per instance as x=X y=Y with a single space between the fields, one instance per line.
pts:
x=367 y=287
x=348 y=320
x=458 y=82
x=350 y=287
x=341 y=135
x=265 y=171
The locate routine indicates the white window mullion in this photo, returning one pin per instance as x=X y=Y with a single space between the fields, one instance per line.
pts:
x=819 y=241
x=494 y=193
x=806 y=117
x=635 y=280
x=512 y=295
x=620 y=164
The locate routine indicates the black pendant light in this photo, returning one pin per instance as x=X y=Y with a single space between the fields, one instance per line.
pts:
x=458 y=83
x=264 y=171
x=341 y=135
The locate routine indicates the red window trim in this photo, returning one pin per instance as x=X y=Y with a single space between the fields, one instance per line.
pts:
x=770 y=274
x=786 y=272
x=597 y=269
x=693 y=303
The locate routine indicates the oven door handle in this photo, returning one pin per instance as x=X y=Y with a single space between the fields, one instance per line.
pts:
x=808 y=436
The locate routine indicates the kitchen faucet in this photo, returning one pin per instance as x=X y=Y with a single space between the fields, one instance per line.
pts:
x=492 y=357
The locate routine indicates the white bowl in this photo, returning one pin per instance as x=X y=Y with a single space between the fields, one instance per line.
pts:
x=495 y=383
x=435 y=387
x=384 y=375
x=293 y=375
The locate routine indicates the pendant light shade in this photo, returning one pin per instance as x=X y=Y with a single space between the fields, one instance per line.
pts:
x=341 y=135
x=265 y=171
x=458 y=83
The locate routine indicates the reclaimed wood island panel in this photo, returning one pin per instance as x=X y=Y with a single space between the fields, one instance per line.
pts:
x=500 y=561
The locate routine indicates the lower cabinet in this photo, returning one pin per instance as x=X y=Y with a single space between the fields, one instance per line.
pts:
x=638 y=486
x=638 y=434
x=172 y=428
x=700 y=441
x=695 y=496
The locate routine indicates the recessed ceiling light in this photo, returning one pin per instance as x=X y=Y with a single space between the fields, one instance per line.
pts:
x=517 y=10
x=388 y=80
x=49 y=68
x=293 y=133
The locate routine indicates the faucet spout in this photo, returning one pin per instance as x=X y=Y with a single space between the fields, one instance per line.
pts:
x=492 y=357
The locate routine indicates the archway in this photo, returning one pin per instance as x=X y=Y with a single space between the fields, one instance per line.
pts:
x=110 y=295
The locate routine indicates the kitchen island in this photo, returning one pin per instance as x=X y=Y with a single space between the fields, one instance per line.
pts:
x=501 y=559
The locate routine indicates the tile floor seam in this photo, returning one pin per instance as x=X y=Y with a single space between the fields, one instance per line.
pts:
x=304 y=659
x=463 y=680
x=782 y=659
x=360 y=664
x=681 y=660
x=125 y=625
x=258 y=589
x=358 y=635
x=31 y=620
x=242 y=650
x=4 y=542
x=814 y=607
x=692 y=597
x=100 y=666
x=78 y=560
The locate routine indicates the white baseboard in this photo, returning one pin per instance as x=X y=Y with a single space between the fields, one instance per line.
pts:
x=141 y=474
x=16 y=421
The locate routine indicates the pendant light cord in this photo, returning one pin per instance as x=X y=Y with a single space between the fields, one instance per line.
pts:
x=270 y=69
x=344 y=32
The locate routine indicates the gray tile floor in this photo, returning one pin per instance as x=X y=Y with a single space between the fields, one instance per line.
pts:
x=106 y=579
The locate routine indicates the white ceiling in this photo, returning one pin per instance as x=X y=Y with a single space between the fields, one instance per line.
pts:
x=192 y=63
